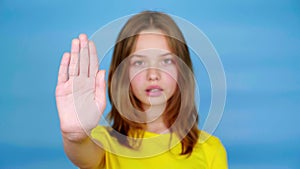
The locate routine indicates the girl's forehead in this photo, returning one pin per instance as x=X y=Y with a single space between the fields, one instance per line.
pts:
x=151 y=52
x=151 y=40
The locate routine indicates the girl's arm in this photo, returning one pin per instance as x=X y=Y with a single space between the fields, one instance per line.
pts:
x=85 y=153
x=80 y=99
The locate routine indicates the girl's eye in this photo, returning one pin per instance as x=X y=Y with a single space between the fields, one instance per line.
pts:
x=138 y=63
x=167 y=61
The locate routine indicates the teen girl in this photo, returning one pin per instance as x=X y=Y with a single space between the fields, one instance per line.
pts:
x=151 y=87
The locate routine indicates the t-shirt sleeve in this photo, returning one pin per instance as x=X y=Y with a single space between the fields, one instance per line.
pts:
x=220 y=157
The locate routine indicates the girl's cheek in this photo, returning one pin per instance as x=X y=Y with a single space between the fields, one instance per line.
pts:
x=137 y=80
x=170 y=70
x=171 y=74
x=135 y=74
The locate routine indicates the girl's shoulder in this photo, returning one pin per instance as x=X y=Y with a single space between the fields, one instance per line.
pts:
x=212 y=147
x=209 y=141
x=99 y=129
x=205 y=139
x=206 y=142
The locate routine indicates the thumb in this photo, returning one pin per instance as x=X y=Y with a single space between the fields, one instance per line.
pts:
x=100 y=96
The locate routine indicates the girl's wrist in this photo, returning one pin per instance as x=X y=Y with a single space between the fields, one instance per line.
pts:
x=76 y=137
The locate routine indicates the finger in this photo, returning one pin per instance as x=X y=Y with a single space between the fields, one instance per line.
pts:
x=73 y=68
x=100 y=90
x=63 y=68
x=94 y=65
x=84 y=56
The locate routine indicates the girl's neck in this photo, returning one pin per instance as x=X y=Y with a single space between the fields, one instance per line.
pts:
x=157 y=126
x=155 y=122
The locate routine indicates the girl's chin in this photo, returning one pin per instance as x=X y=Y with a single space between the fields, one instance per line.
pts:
x=154 y=103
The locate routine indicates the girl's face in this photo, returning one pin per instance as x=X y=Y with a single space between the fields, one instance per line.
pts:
x=152 y=70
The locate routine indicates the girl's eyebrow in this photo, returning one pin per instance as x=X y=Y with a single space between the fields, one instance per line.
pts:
x=140 y=56
x=136 y=55
x=166 y=54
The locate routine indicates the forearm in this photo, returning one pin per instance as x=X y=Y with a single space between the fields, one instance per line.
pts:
x=84 y=153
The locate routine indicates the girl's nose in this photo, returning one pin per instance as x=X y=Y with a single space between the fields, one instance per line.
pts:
x=153 y=74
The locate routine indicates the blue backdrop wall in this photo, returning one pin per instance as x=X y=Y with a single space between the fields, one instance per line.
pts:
x=258 y=43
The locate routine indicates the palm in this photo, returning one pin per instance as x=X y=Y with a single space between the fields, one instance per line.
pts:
x=80 y=92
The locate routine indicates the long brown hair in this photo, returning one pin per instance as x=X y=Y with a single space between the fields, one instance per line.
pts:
x=181 y=101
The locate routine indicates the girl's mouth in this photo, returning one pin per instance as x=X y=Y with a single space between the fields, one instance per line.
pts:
x=154 y=91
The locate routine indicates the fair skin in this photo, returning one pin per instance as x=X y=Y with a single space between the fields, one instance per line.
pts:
x=153 y=76
x=80 y=81
x=80 y=149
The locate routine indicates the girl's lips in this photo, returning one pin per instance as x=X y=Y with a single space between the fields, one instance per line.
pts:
x=154 y=91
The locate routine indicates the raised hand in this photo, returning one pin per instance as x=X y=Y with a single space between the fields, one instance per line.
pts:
x=80 y=91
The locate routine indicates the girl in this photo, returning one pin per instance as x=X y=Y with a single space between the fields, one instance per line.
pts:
x=151 y=88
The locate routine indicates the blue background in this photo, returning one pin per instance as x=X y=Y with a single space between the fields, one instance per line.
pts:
x=258 y=43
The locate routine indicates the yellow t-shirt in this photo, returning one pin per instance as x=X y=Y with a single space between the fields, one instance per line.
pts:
x=208 y=153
